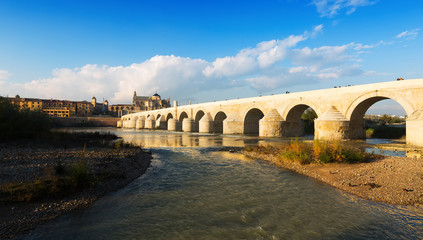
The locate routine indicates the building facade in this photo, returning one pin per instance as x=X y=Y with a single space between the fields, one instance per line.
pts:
x=139 y=104
x=62 y=108
x=65 y=108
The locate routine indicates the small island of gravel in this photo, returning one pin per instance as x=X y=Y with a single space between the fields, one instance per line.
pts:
x=393 y=180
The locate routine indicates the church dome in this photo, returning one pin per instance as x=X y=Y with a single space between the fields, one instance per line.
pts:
x=156 y=95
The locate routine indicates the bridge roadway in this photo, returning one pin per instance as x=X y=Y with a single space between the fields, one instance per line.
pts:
x=340 y=113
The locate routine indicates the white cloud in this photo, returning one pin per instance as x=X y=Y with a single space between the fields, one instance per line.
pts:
x=409 y=35
x=267 y=66
x=4 y=74
x=250 y=59
x=330 y=8
x=316 y=30
x=264 y=55
x=322 y=56
x=166 y=74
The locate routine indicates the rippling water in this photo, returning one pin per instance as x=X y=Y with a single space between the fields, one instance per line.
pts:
x=196 y=191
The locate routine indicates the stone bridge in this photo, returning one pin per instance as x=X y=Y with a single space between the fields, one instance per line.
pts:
x=340 y=113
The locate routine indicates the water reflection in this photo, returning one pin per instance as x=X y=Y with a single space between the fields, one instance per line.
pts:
x=163 y=139
x=195 y=191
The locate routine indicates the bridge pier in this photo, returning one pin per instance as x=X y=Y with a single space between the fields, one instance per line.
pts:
x=205 y=125
x=231 y=125
x=150 y=123
x=131 y=123
x=357 y=129
x=332 y=125
x=140 y=123
x=271 y=125
x=173 y=125
x=414 y=128
x=187 y=125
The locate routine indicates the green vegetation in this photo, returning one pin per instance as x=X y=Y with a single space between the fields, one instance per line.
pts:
x=57 y=182
x=385 y=127
x=308 y=117
x=18 y=124
x=315 y=152
x=385 y=132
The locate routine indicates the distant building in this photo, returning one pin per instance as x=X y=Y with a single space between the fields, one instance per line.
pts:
x=139 y=103
x=62 y=108
x=27 y=103
x=65 y=108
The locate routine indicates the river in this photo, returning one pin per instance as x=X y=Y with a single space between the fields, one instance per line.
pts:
x=196 y=189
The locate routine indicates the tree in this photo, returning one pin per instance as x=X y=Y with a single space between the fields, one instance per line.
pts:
x=308 y=117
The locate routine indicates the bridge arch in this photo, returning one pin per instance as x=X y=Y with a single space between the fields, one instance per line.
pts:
x=200 y=112
x=372 y=97
x=313 y=105
x=358 y=108
x=182 y=115
x=218 y=121
x=169 y=116
x=251 y=120
x=294 y=124
x=197 y=117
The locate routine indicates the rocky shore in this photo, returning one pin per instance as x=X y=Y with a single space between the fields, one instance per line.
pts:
x=20 y=165
x=394 y=180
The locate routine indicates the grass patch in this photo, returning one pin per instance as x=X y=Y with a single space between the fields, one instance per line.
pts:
x=316 y=152
x=58 y=181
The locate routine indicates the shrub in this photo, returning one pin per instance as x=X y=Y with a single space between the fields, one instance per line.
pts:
x=118 y=144
x=80 y=174
x=318 y=151
x=387 y=132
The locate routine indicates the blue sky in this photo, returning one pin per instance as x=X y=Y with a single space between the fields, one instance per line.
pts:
x=205 y=50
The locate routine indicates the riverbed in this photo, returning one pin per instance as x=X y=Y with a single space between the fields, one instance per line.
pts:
x=196 y=189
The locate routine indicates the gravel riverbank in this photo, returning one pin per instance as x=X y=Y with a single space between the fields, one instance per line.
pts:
x=394 y=180
x=29 y=164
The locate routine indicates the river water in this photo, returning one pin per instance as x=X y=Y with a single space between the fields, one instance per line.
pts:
x=195 y=189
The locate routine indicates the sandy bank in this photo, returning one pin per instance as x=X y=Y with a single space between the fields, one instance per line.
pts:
x=394 y=180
